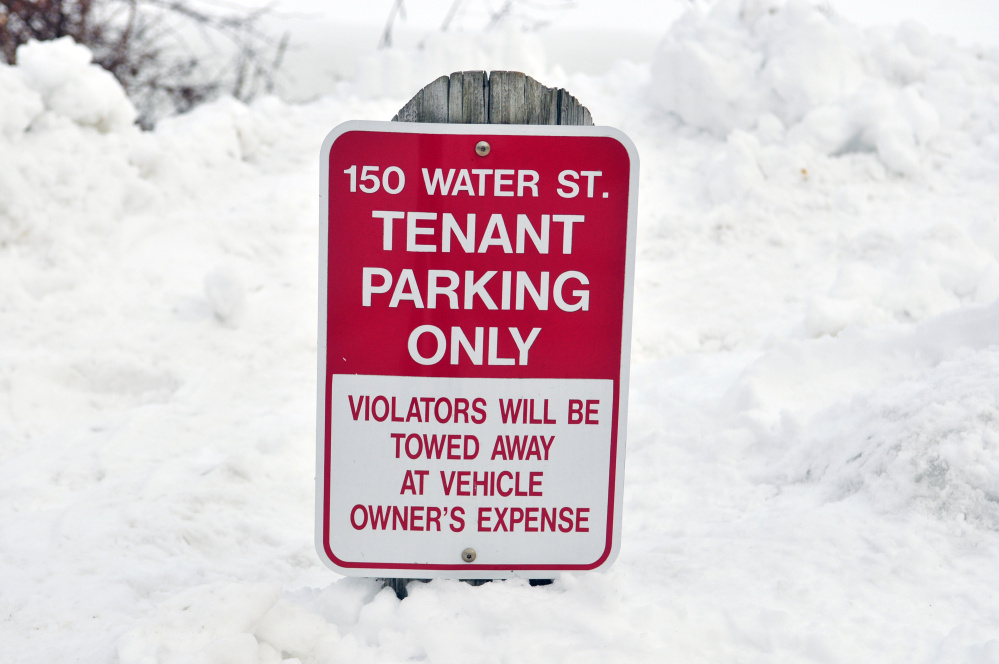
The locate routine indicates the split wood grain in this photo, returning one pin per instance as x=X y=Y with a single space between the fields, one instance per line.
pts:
x=499 y=97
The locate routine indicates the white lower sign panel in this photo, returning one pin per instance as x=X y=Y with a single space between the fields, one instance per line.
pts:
x=424 y=469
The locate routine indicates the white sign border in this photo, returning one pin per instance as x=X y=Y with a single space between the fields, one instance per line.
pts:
x=626 y=325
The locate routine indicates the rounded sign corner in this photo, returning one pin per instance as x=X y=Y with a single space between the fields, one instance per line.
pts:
x=340 y=130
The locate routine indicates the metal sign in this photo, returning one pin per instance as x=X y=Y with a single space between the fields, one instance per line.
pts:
x=475 y=324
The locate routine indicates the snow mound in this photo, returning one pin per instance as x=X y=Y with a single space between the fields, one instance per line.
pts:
x=66 y=127
x=19 y=104
x=813 y=424
x=908 y=418
x=770 y=65
x=75 y=165
x=62 y=73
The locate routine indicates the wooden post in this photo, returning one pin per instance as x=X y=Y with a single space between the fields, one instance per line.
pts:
x=499 y=97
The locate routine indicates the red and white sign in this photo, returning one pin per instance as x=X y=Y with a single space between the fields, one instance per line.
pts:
x=475 y=324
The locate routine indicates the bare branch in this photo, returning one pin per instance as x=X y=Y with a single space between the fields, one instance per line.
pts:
x=147 y=45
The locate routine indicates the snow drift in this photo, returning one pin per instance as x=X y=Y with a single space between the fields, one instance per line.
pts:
x=812 y=466
x=796 y=69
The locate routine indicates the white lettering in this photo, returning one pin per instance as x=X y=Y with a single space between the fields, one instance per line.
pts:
x=539 y=295
x=437 y=181
x=367 y=285
x=495 y=235
x=400 y=293
x=584 y=295
x=473 y=288
x=499 y=181
x=414 y=339
x=572 y=189
x=387 y=218
x=524 y=345
x=527 y=180
x=525 y=228
x=466 y=239
x=459 y=340
x=494 y=357
x=433 y=289
x=412 y=230
x=568 y=220
x=590 y=175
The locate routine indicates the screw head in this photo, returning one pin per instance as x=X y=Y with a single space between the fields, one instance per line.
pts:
x=482 y=148
x=468 y=555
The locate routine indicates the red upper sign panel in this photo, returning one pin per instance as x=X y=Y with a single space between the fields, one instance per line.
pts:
x=423 y=231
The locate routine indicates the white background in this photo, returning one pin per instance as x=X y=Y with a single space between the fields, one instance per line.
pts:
x=365 y=471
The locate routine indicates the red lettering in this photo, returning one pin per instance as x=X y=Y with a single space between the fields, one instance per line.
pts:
x=400 y=517
x=408 y=484
x=434 y=517
x=478 y=405
x=591 y=410
x=500 y=523
x=484 y=483
x=566 y=521
x=353 y=520
x=473 y=439
x=415 y=520
x=582 y=519
x=575 y=411
x=457 y=514
x=453 y=449
x=374 y=408
x=356 y=411
x=437 y=410
x=463 y=483
x=529 y=519
x=426 y=401
x=394 y=418
x=532 y=419
x=447 y=483
x=548 y=519
x=397 y=437
x=460 y=408
x=547 y=421
x=378 y=516
x=498 y=449
x=530 y=516
x=434 y=448
x=499 y=479
x=484 y=519
x=534 y=485
x=414 y=410
x=516 y=449
x=517 y=486
x=419 y=445
x=508 y=413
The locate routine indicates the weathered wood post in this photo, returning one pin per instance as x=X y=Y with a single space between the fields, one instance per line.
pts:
x=498 y=97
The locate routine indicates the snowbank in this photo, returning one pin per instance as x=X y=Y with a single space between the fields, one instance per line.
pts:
x=796 y=71
x=813 y=428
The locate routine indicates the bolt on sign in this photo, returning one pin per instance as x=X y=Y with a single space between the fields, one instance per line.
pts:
x=475 y=322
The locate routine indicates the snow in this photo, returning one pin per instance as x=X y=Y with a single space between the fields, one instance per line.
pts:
x=813 y=455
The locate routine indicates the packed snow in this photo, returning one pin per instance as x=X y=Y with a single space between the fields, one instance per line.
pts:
x=812 y=467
